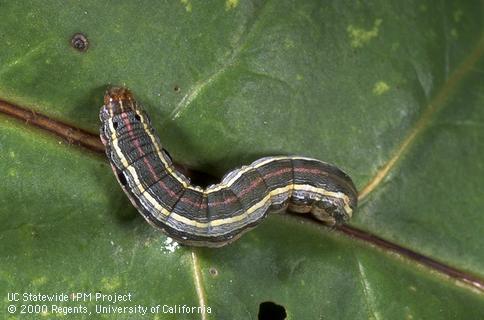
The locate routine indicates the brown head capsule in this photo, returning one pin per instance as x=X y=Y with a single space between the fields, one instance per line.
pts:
x=116 y=101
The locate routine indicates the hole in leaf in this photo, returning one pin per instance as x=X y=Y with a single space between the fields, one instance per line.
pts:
x=213 y=271
x=176 y=88
x=79 y=42
x=270 y=311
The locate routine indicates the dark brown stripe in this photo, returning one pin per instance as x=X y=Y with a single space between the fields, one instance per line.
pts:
x=249 y=189
x=154 y=175
x=217 y=209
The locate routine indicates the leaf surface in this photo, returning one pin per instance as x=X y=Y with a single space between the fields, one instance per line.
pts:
x=390 y=92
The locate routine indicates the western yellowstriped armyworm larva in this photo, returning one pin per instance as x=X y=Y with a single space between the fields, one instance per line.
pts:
x=220 y=213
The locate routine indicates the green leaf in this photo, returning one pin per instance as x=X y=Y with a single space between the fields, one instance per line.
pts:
x=391 y=92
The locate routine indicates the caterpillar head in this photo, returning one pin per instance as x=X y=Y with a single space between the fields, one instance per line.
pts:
x=117 y=100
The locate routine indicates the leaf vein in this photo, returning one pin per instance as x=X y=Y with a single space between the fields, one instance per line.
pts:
x=434 y=105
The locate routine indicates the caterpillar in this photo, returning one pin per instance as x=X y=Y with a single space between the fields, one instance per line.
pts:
x=218 y=214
